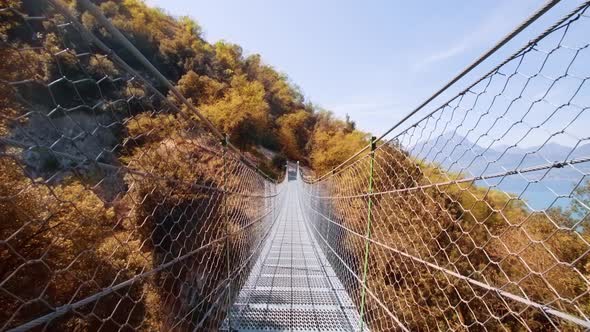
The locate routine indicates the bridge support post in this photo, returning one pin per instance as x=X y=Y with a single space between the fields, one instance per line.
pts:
x=368 y=232
x=224 y=143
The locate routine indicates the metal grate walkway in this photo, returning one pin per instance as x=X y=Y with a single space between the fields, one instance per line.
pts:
x=292 y=287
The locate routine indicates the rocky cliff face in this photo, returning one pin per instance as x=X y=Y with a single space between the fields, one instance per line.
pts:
x=74 y=141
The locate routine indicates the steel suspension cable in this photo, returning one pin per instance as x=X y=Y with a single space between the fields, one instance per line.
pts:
x=527 y=22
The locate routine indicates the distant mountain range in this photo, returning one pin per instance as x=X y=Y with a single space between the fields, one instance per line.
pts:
x=456 y=153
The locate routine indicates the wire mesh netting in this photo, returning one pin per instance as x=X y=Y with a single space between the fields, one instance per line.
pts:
x=476 y=215
x=118 y=211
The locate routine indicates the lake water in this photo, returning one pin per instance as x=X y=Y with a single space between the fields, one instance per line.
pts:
x=538 y=195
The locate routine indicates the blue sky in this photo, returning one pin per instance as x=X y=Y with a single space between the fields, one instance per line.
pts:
x=376 y=59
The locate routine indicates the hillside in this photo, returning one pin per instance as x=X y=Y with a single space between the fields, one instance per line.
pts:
x=242 y=95
x=249 y=100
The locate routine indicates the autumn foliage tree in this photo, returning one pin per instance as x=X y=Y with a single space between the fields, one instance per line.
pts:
x=333 y=141
x=242 y=113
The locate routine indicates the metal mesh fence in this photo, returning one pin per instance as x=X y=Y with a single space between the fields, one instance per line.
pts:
x=476 y=215
x=118 y=211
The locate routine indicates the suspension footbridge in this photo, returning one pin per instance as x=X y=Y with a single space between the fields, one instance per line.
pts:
x=123 y=208
x=292 y=286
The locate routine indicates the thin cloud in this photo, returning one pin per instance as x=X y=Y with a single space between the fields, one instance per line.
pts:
x=489 y=30
x=445 y=54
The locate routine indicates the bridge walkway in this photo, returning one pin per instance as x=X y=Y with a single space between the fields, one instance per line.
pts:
x=292 y=286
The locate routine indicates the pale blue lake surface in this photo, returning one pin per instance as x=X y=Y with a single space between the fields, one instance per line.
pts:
x=538 y=195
